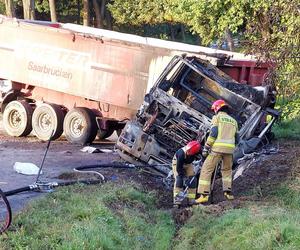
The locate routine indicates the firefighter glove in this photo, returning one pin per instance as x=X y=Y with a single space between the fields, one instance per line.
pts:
x=205 y=152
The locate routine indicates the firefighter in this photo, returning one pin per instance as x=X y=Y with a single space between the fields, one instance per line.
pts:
x=219 y=146
x=182 y=166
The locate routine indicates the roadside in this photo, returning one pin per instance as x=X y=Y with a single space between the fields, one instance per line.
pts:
x=62 y=157
x=133 y=210
x=137 y=201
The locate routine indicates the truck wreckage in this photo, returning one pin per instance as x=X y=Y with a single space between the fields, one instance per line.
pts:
x=177 y=110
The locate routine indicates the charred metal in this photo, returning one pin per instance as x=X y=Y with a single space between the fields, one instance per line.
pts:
x=177 y=110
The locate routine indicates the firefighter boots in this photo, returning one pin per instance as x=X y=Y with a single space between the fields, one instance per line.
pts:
x=202 y=199
x=228 y=195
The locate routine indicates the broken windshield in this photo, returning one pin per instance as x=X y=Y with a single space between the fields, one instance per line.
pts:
x=189 y=83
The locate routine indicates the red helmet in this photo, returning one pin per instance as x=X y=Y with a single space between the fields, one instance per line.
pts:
x=193 y=147
x=217 y=105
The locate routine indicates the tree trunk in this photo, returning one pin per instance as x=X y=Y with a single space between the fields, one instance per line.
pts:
x=171 y=27
x=52 y=10
x=86 y=13
x=183 y=37
x=78 y=11
x=9 y=8
x=229 y=40
x=28 y=9
x=99 y=23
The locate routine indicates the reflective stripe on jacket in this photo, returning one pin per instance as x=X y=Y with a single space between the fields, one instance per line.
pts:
x=223 y=132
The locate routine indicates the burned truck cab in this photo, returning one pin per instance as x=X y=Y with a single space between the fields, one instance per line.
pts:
x=178 y=109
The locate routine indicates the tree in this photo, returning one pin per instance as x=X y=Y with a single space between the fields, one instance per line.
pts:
x=86 y=13
x=267 y=28
x=98 y=13
x=52 y=10
x=9 y=8
x=28 y=9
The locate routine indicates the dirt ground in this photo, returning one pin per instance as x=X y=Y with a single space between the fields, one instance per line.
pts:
x=62 y=157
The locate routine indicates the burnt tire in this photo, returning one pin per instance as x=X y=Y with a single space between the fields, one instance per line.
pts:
x=80 y=126
x=17 y=118
x=103 y=134
x=48 y=119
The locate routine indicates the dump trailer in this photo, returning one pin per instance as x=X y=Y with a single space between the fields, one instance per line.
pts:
x=177 y=110
x=84 y=81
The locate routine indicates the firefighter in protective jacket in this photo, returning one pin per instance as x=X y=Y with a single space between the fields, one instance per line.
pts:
x=219 y=147
x=182 y=166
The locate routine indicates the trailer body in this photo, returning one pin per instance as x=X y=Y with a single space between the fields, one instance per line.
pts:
x=104 y=75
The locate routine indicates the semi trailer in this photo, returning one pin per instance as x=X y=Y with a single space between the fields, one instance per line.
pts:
x=82 y=81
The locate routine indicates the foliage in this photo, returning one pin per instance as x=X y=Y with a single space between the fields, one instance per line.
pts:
x=289 y=105
x=2 y=8
x=267 y=28
x=89 y=217
x=290 y=109
x=137 y=12
x=67 y=11
x=287 y=129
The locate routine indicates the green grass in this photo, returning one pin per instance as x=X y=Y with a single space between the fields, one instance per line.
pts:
x=91 y=217
x=273 y=223
x=287 y=129
x=115 y=216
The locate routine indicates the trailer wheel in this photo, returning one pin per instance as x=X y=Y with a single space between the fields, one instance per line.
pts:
x=80 y=126
x=17 y=118
x=48 y=119
x=103 y=134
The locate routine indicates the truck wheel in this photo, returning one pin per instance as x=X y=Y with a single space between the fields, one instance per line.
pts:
x=48 y=119
x=17 y=118
x=103 y=134
x=80 y=126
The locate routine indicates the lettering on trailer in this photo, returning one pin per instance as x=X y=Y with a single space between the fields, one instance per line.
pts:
x=64 y=57
x=54 y=71
x=52 y=67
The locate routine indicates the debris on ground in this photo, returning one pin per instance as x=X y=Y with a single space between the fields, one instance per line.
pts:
x=91 y=150
x=26 y=168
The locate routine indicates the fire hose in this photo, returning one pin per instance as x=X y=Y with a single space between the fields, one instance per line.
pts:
x=40 y=186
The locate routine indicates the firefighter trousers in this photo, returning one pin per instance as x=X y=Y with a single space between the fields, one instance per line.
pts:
x=178 y=184
x=209 y=165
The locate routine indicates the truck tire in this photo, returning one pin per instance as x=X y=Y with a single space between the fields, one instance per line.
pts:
x=48 y=119
x=103 y=134
x=17 y=118
x=80 y=126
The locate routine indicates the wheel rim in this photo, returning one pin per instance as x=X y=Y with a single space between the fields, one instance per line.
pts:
x=45 y=122
x=15 y=119
x=77 y=126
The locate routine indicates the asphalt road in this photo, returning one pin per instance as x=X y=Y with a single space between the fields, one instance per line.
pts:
x=62 y=157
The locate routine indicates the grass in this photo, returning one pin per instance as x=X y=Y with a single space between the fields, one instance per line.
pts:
x=91 y=217
x=287 y=129
x=272 y=224
x=121 y=216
